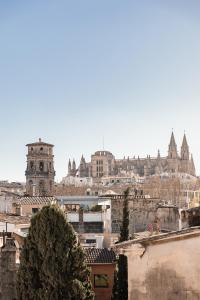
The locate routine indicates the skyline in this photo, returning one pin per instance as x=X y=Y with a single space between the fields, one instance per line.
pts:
x=76 y=73
x=88 y=156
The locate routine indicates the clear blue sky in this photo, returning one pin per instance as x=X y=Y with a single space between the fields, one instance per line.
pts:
x=73 y=72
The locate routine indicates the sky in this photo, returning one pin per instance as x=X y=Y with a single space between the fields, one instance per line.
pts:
x=77 y=73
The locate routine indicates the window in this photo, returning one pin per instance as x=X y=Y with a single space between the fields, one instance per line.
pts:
x=41 y=149
x=100 y=280
x=90 y=241
x=41 y=166
x=31 y=165
x=35 y=210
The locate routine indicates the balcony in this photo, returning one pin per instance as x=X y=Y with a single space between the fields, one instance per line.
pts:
x=87 y=217
x=38 y=173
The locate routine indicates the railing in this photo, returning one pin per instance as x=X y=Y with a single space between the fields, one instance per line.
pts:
x=43 y=173
x=73 y=217
x=87 y=217
x=92 y=217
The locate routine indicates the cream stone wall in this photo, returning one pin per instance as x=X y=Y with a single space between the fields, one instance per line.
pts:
x=165 y=270
x=26 y=210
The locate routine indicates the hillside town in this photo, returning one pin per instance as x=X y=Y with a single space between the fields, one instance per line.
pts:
x=163 y=209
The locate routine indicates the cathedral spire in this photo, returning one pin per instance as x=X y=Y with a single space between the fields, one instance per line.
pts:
x=172 y=152
x=74 y=165
x=69 y=167
x=193 y=171
x=185 y=149
x=184 y=143
x=172 y=141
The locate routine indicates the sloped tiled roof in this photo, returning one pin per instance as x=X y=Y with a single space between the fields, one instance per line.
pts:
x=100 y=256
x=35 y=200
x=13 y=219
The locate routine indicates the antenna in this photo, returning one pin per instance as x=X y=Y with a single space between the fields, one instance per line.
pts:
x=103 y=143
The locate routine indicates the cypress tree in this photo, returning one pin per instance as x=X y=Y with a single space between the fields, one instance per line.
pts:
x=122 y=278
x=120 y=289
x=124 y=232
x=115 y=287
x=52 y=263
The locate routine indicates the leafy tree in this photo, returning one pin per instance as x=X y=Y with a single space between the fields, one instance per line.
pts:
x=52 y=263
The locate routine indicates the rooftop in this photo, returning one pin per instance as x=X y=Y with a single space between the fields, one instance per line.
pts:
x=45 y=200
x=162 y=237
x=13 y=219
x=40 y=143
x=100 y=256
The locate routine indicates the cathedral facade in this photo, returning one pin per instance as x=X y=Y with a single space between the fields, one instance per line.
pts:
x=104 y=164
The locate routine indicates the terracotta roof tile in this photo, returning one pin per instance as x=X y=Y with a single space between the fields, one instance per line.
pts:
x=35 y=200
x=100 y=256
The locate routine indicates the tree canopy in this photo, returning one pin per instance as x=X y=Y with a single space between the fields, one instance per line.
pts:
x=52 y=263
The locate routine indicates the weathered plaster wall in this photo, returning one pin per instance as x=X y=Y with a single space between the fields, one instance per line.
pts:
x=167 y=270
x=142 y=211
x=169 y=218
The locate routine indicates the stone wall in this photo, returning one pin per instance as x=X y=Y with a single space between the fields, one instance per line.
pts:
x=142 y=211
x=171 y=189
x=169 y=218
x=8 y=271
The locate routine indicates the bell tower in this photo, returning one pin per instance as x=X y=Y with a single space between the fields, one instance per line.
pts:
x=40 y=169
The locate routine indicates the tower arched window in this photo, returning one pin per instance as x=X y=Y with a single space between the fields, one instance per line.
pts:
x=31 y=165
x=41 y=188
x=41 y=166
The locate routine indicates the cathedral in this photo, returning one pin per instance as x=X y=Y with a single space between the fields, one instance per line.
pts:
x=104 y=164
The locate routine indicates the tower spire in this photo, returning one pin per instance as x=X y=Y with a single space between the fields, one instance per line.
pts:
x=172 y=152
x=172 y=140
x=185 y=149
x=193 y=171
x=69 y=167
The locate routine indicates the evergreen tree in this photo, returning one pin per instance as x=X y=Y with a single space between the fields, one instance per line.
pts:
x=52 y=263
x=115 y=287
x=120 y=288
x=124 y=232
x=122 y=277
